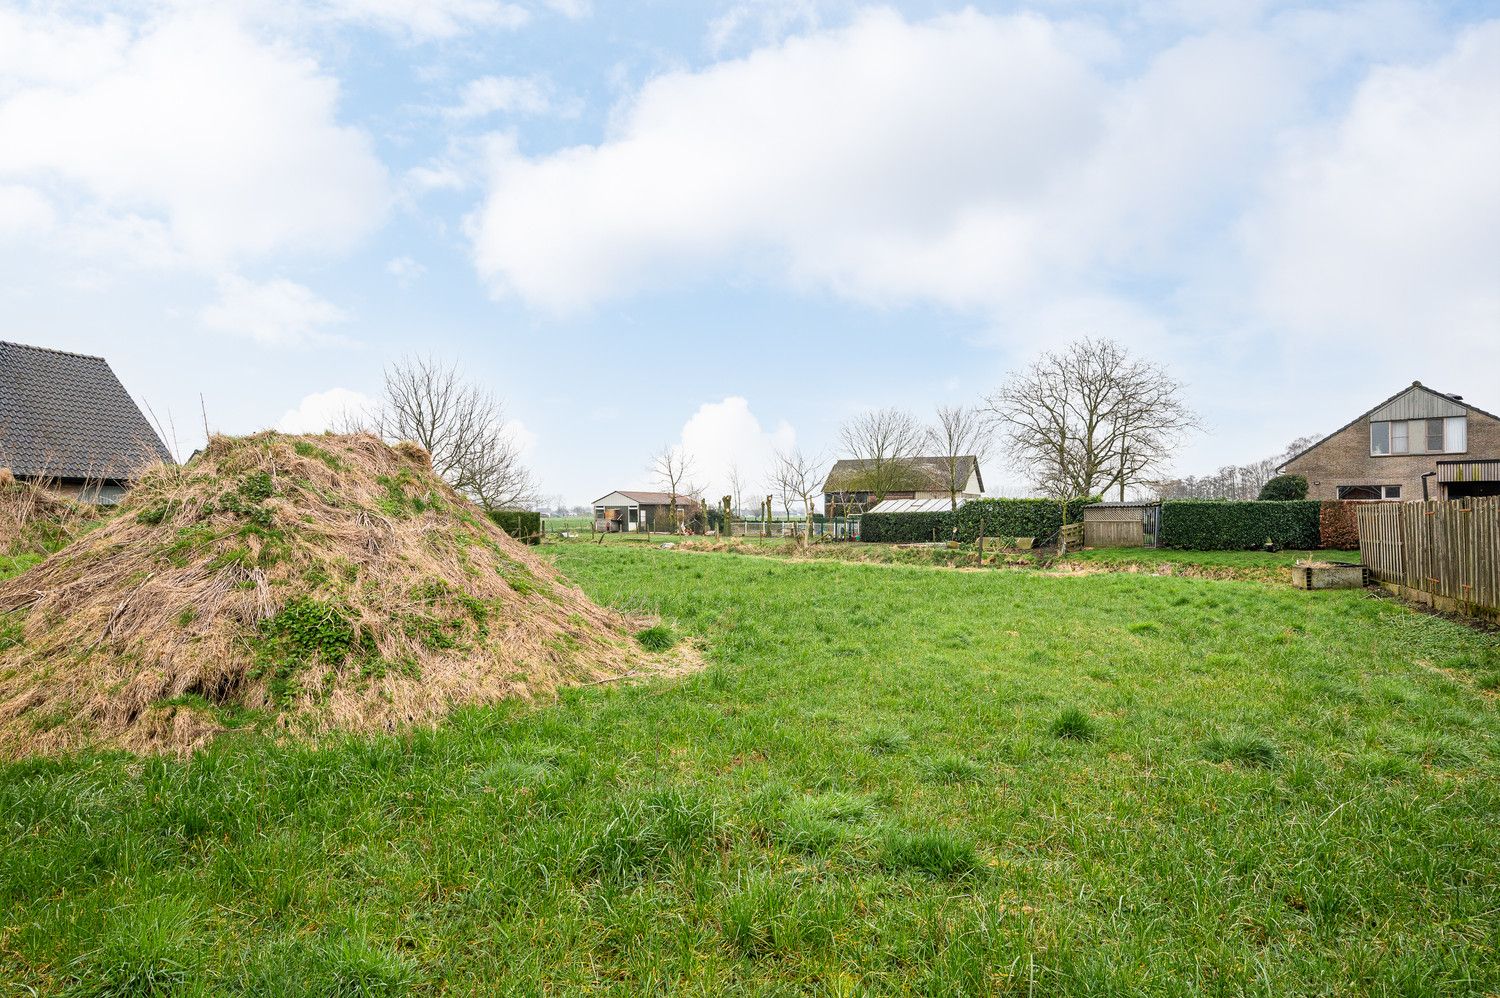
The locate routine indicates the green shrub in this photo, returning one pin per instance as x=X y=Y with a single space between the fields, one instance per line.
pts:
x=1039 y=518
x=1223 y=525
x=658 y=638
x=1284 y=488
x=906 y=528
x=522 y=524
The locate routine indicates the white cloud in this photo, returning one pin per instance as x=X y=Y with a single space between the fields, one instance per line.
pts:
x=1043 y=174
x=278 y=312
x=968 y=160
x=424 y=20
x=487 y=95
x=725 y=435
x=760 y=21
x=1388 y=226
x=230 y=144
x=405 y=270
x=23 y=212
x=324 y=411
x=573 y=10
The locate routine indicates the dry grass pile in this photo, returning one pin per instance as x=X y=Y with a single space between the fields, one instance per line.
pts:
x=310 y=583
x=36 y=520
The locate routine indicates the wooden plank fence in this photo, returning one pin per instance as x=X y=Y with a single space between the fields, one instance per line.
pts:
x=1445 y=552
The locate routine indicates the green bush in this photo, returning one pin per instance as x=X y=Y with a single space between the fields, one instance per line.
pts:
x=522 y=524
x=906 y=528
x=1039 y=518
x=1284 y=488
x=1224 y=525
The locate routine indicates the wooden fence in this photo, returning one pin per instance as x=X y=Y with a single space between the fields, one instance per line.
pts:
x=1445 y=553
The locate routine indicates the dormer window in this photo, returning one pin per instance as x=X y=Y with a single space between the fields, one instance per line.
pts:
x=1447 y=435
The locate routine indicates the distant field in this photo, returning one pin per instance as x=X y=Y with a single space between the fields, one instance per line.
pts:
x=889 y=780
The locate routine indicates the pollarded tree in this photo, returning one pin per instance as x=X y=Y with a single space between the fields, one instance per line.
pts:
x=798 y=476
x=671 y=467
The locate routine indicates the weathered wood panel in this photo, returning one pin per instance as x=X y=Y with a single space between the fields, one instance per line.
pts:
x=1113 y=533
x=1445 y=552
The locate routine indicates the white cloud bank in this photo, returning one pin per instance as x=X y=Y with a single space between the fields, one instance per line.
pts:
x=726 y=435
x=214 y=144
x=278 y=312
x=324 y=411
x=1005 y=166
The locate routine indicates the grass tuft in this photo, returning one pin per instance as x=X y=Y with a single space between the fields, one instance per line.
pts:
x=1074 y=725
x=659 y=638
x=1243 y=749
x=885 y=740
x=936 y=852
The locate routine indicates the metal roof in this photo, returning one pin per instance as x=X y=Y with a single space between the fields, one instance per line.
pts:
x=66 y=415
x=914 y=505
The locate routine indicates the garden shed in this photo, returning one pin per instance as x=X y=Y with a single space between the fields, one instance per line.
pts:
x=1121 y=524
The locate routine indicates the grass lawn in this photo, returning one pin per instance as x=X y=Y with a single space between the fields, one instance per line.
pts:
x=889 y=780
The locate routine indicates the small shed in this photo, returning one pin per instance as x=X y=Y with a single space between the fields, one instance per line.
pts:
x=1121 y=524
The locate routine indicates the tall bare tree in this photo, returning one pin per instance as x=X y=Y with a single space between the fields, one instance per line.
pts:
x=882 y=443
x=736 y=490
x=798 y=476
x=960 y=433
x=1090 y=418
x=671 y=467
x=460 y=424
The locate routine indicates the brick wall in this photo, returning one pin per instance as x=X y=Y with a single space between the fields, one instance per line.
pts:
x=1345 y=459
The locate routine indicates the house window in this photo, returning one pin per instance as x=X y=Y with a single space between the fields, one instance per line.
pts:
x=1420 y=436
x=1369 y=492
x=1456 y=434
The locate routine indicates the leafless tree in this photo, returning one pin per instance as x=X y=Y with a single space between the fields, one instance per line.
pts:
x=1091 y=418
x=736 y=490
x=960 y=433
x=1235 y=481
x=883 y=443
x=459 y=423
x=798 y=476
x=671 y=467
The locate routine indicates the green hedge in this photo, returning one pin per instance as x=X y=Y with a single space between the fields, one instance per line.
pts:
x=1039 y=518
x=906 y=528
x=523 y=525
x=1225 y=525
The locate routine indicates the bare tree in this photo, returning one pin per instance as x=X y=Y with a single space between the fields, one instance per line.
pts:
x=882 y=443
x=1091 y=418
x=671 y=466
x=960 y=434
x=460 y=424
x=1233 y=481
x=795 y=475
x=736 y=490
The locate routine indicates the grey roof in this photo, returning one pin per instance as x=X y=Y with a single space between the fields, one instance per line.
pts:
x=928 y=474
x=652 y=498
x=66 y=415
x=1372 y=411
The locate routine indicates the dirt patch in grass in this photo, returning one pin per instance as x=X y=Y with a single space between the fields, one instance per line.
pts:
x=304 y=583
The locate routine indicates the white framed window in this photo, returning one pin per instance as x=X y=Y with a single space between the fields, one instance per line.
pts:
x=1369 y=493
x=1456 y=434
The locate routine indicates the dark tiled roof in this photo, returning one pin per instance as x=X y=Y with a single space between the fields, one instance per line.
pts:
x=928 y=474
x=66 y=415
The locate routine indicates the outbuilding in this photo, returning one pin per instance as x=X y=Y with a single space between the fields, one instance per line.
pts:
x=628 y=512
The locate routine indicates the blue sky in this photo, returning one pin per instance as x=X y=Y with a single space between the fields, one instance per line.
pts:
x=731 y=225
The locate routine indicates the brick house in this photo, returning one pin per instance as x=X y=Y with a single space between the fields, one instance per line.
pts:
x=847 y=490
x=1417 y=444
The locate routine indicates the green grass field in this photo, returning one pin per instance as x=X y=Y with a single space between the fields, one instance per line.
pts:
x=888 y=780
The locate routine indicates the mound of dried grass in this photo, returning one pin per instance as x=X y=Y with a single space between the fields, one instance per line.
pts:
x=312 y=583
x=35 y=520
